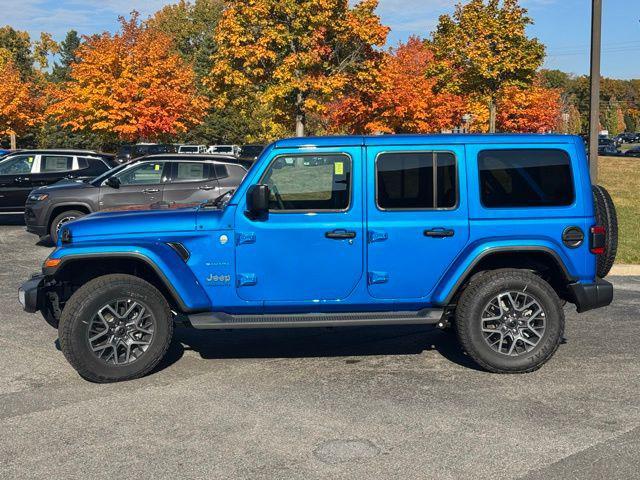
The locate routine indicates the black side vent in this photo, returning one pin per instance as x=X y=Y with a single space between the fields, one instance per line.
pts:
x=180 y=250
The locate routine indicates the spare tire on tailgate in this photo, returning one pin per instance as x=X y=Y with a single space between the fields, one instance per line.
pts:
x=606 y=217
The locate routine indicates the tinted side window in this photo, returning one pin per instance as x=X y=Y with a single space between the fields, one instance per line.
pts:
x=221 y=171
x=309 y=182
x=406 y=180
x=18 y=165
x=525 y=178
x=191 y=172
x=55 y=163
x=91 y=167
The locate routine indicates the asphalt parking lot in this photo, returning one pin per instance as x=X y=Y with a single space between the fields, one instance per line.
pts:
x=358 y=403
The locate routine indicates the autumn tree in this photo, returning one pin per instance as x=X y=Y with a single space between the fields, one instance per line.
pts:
x=532 y=110
x=483 y=48
x=400 y=99
x=279 y=61
x=128 y=86
x=17 y=45
x=20 y=105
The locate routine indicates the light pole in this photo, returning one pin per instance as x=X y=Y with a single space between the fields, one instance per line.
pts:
x=594 y=108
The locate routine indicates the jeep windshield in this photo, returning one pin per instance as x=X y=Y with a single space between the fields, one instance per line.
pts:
x=100 y=178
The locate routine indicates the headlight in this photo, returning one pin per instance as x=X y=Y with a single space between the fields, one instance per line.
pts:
x=38 y=197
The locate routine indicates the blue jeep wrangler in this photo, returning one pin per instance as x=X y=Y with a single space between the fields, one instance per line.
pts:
x=489 y=234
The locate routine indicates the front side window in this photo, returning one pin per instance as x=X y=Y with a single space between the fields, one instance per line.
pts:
x=416 y=180
x=525 y=178
x=145 y=174
x=18 y=165
x=309 y=182
x=55 y=163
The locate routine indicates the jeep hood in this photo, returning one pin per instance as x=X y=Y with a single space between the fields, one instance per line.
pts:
x=115 y=224
x=65 y=184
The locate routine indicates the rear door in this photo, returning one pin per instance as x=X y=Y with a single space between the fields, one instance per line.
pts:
x=140 y=187
x=53 y=168
x=15 y=181
x=191 y=183
x=417 y=218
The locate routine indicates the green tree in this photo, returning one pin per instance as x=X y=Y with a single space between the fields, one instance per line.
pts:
x=484 y=47
x=68 y=48
x=18 y=45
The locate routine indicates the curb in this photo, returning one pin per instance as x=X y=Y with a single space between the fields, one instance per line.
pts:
x=625 y=270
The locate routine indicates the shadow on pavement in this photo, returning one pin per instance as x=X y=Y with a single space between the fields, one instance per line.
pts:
x=11 y=219
x=315 y=342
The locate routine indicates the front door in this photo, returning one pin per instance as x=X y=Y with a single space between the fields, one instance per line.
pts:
x=15 y=181
x=140 y=187
x=310 y=246
x=417 y=218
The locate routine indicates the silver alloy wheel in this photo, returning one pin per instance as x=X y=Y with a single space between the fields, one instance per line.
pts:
x=62 y=221
x=513 y=323
x=121 y=331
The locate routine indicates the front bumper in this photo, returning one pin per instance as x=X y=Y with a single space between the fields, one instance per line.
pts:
x=34 y=220
x=588 y=296
x=31 y=293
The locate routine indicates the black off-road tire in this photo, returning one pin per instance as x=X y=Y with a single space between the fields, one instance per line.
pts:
x=606 y=216
x=478 y=293
x=84 y=304
x=53 y=229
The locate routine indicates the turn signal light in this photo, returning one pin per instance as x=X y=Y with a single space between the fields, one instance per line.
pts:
x=52 y=262
x=597 y=240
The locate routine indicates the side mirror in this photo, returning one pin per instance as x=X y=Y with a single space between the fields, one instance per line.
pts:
x=258 y=201
x=113 y=182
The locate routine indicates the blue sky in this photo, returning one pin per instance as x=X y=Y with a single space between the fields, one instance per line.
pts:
x=563 y=25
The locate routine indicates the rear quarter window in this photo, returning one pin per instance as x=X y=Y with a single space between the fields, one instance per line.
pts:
x=525 y=178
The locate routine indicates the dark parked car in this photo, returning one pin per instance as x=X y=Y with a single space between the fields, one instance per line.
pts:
x=250 y=152
x=161 y=181
x=633 y=152
x=25 y=170
x=128 y=152
x=609 y=150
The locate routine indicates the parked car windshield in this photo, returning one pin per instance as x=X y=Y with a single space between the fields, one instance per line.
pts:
x=100 y=178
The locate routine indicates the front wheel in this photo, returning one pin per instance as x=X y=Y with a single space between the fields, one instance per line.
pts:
x=60 y=220
x=114 y=328
x=509 y=321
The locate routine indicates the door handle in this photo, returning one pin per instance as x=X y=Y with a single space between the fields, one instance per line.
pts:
x=439 y=232
x=340 y=234
x=206 y=187
x=151 y=190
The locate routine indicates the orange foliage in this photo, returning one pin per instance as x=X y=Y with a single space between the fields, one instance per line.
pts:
x=130 y=85
x=400 y=99
x=19 y=104
x=532 y=110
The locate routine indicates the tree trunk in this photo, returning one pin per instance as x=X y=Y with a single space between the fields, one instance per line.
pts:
x=12 y=137
x=492 y=115
x=300 y=118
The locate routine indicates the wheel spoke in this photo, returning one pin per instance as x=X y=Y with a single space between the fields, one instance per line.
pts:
x=518 y=321
x=121 y=331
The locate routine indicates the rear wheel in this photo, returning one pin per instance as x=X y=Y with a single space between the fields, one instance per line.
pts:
x=606 y=216
x=60 y=220
x=509 y=321
x=115 y=327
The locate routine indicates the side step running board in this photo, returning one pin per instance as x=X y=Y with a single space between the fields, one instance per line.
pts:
x=217 y=320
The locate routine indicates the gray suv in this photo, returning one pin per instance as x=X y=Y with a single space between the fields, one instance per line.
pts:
x=157 y=181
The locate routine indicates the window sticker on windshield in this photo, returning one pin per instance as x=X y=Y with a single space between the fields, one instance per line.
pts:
x=338 y=168
x=156 y=167
x=30 y=159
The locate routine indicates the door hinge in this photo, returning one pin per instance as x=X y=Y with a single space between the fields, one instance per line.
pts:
x=247 y=279
x=377 y=236
x=378 y=277
x=243 y=238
